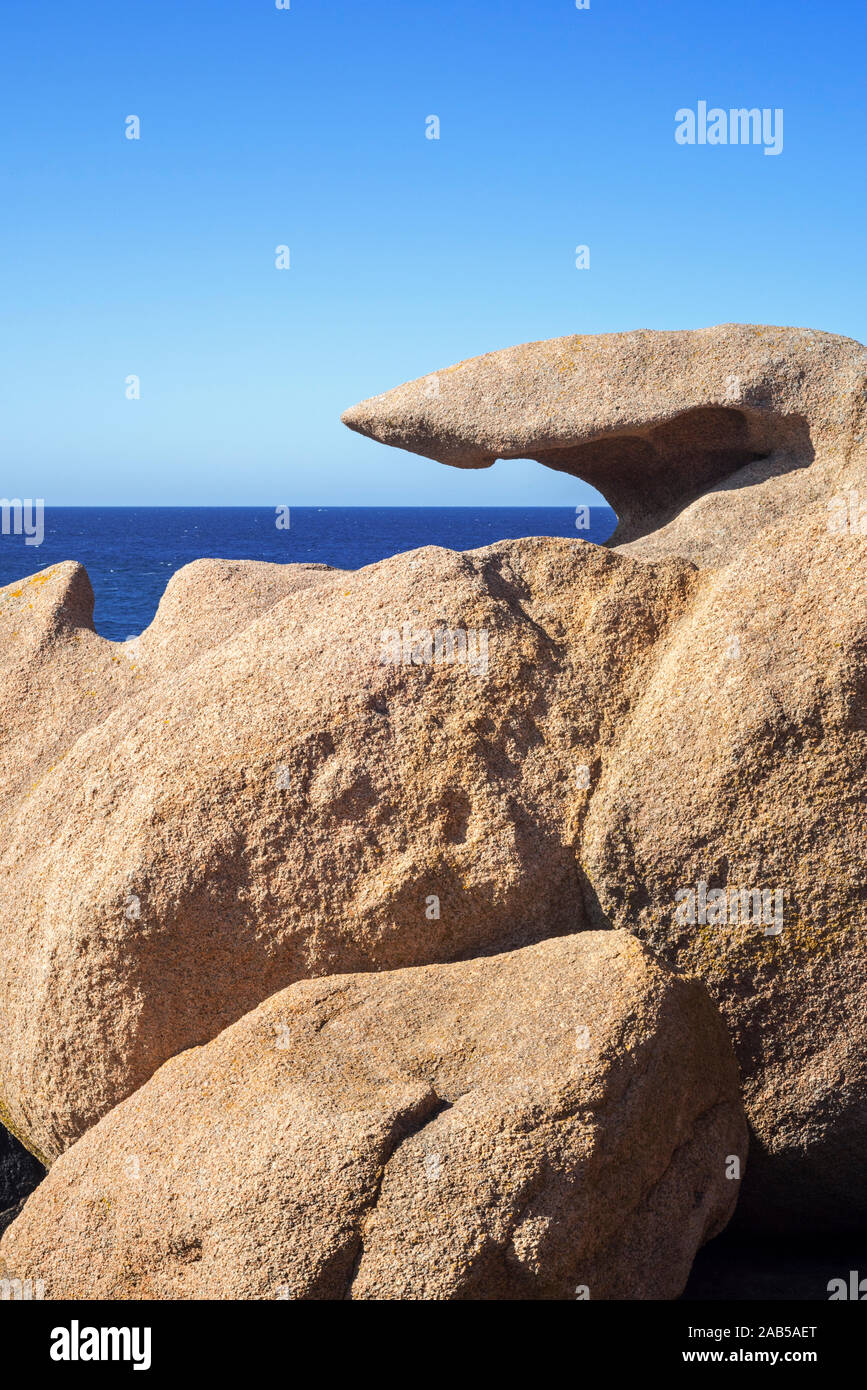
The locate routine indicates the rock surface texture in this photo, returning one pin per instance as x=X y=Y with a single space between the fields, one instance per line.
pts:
x=552 y=1123
x=297 y=800
x=743 y=766
x=701 y=438
x=298 y=772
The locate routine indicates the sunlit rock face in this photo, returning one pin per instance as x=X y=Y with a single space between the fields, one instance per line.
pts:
x=298 y=772
x=743 y=767
x=366 y=771
x=697 y=439
x=558 y=1122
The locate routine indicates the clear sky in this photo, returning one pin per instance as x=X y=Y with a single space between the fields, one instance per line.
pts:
x=306 y=127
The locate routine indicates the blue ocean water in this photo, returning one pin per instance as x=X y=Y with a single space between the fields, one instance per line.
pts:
x=131 y=553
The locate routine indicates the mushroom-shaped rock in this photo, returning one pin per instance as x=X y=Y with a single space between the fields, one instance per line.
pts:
x=693 y=434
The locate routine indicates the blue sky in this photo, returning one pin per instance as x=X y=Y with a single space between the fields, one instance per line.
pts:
x=306 y=127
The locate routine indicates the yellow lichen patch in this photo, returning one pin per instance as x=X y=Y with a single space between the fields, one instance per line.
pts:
x=721 y=950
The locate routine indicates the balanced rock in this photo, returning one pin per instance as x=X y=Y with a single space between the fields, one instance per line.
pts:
x=699 y=437
x=740 y=775
x=558 y=1122
x=296 y=774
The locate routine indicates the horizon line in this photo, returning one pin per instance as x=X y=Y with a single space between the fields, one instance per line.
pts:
x=325 y=506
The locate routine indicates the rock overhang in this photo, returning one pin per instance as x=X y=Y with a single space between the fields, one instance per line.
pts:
x=654 y=420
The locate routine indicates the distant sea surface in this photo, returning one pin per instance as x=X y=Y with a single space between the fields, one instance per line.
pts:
x=131 y=553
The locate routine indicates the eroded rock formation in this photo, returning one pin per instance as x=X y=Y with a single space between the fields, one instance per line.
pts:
x=744 y=765
x=298 y=800
x=698 y=439
x=561 y=1121
x=299 y=773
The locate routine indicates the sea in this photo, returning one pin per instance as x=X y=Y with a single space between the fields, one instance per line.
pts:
x=131 y=553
